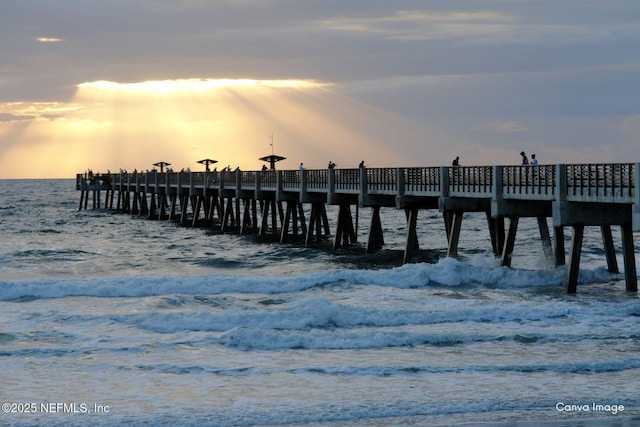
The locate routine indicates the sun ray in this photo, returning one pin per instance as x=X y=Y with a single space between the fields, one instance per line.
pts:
x=109 y=125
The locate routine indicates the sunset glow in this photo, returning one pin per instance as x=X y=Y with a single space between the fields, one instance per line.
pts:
x=181 y=85
x=111 y=125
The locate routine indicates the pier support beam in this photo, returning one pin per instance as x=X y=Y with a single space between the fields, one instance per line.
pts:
x=318 y=222
x=294 y=215
x=173 y=199
x=412 y=245
x=161 y=205
x=507 y=251
x=628 y=252
x=152 y=208
x=558 y=238
x=228 y=218
x=581 y=214
x=82 y=195
x=213 y=208
x=454 y=234
x=345 y=232
x=196 y=206
x=609 y=249
x=268 y=206
x=547 y=247
x=375 y=240
x=249 y=217
x=574 y=259
x=496 y=232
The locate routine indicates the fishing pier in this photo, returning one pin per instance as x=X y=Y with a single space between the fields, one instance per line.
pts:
x=272 y=202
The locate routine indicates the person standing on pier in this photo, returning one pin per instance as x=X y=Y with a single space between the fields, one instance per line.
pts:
x=456 y=161
x=534 y=161
x=525 y=161
x=361 y=165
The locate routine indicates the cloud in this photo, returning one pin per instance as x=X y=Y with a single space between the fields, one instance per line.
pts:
x=413 y=25
x=48 y=39
x=7 y=118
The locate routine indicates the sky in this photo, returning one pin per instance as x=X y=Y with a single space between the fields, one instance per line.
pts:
x=104 y=85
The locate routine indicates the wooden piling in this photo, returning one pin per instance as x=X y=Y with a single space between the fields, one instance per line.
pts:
x=345 y=234
x=509 y=243
x=412 y=245
x=454 y=236
x=376 y=238
x=609 y=248
x=574 y=258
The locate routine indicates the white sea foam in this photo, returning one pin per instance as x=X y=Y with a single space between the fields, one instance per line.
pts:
x=447 y=272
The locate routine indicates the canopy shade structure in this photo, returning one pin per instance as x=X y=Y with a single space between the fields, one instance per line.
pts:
x=272 y=159
x=207 y=162
x=161 y=165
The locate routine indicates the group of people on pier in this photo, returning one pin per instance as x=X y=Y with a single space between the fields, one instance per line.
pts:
x=525 y=160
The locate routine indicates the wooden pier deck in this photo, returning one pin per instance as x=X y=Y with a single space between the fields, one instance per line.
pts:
x=575 y=196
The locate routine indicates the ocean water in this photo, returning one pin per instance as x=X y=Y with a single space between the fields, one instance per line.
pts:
x=109 y=319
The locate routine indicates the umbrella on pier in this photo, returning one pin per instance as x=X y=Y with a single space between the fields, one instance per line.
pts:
x=161 y=165
x=207 y=162
x=272 y=159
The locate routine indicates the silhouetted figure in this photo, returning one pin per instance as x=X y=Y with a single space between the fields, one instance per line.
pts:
x=525 y=161
x=456 y=161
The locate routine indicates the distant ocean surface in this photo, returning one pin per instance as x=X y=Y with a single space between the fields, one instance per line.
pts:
x=109 y=319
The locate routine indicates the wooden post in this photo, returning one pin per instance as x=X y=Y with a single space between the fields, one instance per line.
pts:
x=302 y=219
x=325 y=220
x=135 y=210
x=345 y=234
x=246 y=217
x=509 y=243
x=558 y=238
x=574 y=259
x=254 y=214
x=313 y=223
x=162 y=209
x=454 y=237
x=448 y=216
x=609 y=249
x=547 y=248
x=152 y=208
x=173 y=198
x=376 y=239
x=284 y=233
x=496 y=232
x=196 y=209
x=630 y=274
x=144 y=207
x=411 y=245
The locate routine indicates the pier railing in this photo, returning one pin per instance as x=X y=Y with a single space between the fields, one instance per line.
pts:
x=607 y=183
x=347 y=180
x=529 y=182
x=614 y=182
x=471 y=181
x=382 y=180
x=317 y=180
